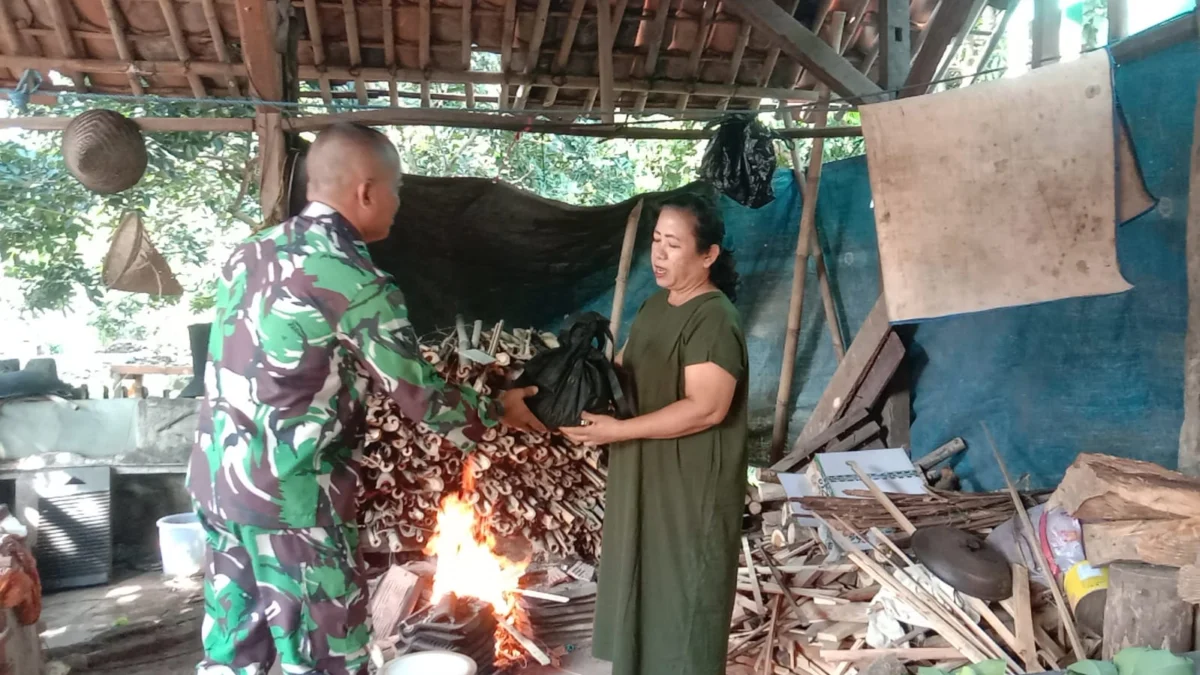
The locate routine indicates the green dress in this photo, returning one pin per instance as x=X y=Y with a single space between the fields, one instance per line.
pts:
x=673 y=513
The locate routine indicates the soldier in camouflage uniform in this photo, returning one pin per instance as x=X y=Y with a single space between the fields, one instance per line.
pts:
x=304 y=321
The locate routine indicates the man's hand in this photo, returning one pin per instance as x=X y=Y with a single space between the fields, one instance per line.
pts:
x=596 y=430
x=516 y=413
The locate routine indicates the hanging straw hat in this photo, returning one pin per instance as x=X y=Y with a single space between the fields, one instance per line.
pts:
x=105 y=151
x=133 y=264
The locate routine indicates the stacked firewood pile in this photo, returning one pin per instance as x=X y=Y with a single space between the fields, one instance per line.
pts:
x=544 y=489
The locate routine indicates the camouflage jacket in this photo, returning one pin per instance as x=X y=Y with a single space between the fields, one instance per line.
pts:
x=304 y=323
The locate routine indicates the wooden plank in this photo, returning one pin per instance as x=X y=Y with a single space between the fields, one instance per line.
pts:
x=840 y=630
x=1118 y=20
x=773 y=52
x=66 y=43
x=113 y=14
x=960 y=37
x=896 y=413
x=535 y=48
x=1026 y=643
x=146 y=124
x=467 y=39
x=857 y=439
x=389 y=46
x=350 y=13
x=804 y=46
x=735 y=62
x=909 y=654
x=1144 y=609
x=180 y=45
x=1189 y=433
x=1153 y=40
x=258 y=49
x=850 y=372
x=1047 y=22
x=852 y=419
x=994 y=40
x=605 y=34
x=313 y=19
x=218 y=38
x=755 y=587
x=1173 y=542
x=876 y=380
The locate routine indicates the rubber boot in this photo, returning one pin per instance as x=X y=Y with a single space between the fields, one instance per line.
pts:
x=198 y=336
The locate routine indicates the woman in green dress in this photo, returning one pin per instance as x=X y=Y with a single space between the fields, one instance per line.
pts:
x=677 y=471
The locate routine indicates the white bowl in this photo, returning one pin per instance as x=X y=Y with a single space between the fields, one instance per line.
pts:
x=430 y=663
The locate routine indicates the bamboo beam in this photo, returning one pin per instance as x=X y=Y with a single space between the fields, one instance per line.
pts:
x=649 y=66
x=307 y=72
x=1118 y=20
x=535 y=49
x=618 y=306
x=618 y=14
x=808 y=217
x=146 y=124
x=350 y=13
x=506 y=49
x=180 y=45
x=112 y=13
x=218 y=38
x=1047 y=21
x=1189 y=431
x=470 y=119
x=703 y=33
x=773 y=53
x=389 y=49
x=735 y=60
x=961 y=37
x=604 y=30
x=424 y=35
x=467 y=40
x=564 y=49
x=58 y=20
x=318 y=47
x=148 y=68
x=258 y=50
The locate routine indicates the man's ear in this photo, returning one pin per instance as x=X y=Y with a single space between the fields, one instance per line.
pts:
x=363 y=193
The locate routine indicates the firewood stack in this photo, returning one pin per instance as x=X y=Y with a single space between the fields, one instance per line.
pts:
x=544 y=489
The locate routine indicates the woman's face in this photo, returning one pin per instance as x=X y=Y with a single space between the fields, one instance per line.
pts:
x=676 y=262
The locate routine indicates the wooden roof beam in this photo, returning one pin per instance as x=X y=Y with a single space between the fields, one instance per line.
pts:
x=535 y=49
x=703 y=33
x=1047 y=20
x=564 y=49
x=735 y=61
x=258 y=49
x=313 y=19
x=350 y=13
x=389 y=49
x=804 y=46
x=218 y=38
x=58 y=18
x=506 y=48
x=895 y=43
x=942 y=27
x=650 y=64
x=773 y=52
x=965 y=30
x=115 y=18
x=605 y=37
x=424 y=35
x=468 y=41
x=181 y=48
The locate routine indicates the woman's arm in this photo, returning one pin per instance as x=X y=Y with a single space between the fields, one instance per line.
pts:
x=708 y=393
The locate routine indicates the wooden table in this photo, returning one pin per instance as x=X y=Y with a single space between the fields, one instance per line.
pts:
x=134 y=372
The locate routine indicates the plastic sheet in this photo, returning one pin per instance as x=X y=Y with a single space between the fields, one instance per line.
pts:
x=740 y=161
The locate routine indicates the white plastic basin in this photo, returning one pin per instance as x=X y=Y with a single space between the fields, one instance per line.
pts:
x=430 y=663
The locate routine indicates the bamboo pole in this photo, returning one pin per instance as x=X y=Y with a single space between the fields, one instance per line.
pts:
x=831 y=316
x=604 y=29
x=535 y=50
x=808 y=215
x=181 y=48
x=506 y=49
x=58 y=19
x=389 y=49
x=650 y=63
x=351 y=15
x=703 y=33
x=468 y=38
x=118 y=37
x=618 y=14
x=218 y=38
x=318 y=48
x=735 y=64
x=564 y=49
x=631 y=227
x=147 y=124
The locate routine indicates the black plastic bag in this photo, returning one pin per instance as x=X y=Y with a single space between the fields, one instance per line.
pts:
x=740 y=161
x=576 y=376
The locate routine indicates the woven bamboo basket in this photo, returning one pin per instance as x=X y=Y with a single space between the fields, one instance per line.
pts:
x=105 y=151
x=133 y=263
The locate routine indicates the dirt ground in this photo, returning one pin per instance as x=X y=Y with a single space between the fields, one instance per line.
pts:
x=144 y=624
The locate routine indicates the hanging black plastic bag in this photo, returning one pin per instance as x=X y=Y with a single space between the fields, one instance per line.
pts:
x=576 y=376
x=740 y=161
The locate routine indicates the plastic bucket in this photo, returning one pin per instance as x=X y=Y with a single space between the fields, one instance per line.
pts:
x=181 y=544
x=430 y=663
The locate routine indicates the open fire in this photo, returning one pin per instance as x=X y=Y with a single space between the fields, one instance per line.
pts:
x=468 y=567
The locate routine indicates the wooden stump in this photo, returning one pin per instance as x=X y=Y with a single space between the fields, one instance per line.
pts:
x=1144 y=610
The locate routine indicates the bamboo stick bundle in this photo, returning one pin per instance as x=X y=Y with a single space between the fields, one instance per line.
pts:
x=974 y=512
x=542 y=488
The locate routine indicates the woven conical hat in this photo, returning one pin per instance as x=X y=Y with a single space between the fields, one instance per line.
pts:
x=133 y=264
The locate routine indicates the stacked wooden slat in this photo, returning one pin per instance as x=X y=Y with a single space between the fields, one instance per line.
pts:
x=540 y=487
x=970 y=511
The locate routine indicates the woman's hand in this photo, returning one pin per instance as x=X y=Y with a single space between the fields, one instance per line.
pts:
x=597 y=430
x=516 y=413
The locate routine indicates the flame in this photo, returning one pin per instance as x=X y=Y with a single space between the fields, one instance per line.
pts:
x=466 y=565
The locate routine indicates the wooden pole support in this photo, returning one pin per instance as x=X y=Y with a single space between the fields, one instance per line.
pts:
x=631 y=227
x=1189 y=432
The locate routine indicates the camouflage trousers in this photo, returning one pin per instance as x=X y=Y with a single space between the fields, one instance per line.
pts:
x=299 y=593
